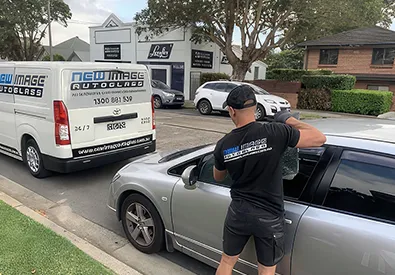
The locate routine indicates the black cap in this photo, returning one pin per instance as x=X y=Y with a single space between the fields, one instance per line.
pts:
x=240 y=96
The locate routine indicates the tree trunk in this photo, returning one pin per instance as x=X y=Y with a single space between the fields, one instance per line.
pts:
x=240 y=70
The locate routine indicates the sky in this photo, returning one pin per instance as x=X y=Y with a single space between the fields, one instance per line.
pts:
x=88 y=13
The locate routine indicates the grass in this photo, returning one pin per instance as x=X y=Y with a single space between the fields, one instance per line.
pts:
x=304 y=116
x=27 y=247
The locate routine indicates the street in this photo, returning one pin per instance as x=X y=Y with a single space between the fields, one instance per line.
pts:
x=86 y=192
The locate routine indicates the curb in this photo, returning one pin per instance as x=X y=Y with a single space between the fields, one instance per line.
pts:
x=99 y=255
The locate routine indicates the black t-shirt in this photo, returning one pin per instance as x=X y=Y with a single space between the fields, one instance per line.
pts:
x=251 y=154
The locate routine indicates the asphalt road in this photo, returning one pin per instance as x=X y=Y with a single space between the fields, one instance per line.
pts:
x=86 y=191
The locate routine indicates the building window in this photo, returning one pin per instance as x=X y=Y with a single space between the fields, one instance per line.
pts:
x=383 y=56
x=378 y=88
x=329 y=56
x=256 y=73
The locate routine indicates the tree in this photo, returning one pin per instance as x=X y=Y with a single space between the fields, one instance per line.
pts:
x=264 y=24
x=23 y=25
x=321 y=18
x=287 y=59
x=56 y=57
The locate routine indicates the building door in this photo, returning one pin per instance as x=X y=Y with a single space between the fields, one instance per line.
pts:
x=195 y=84
x=161 y=73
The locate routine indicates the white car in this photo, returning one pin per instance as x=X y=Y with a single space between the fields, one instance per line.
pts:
x=211 y=95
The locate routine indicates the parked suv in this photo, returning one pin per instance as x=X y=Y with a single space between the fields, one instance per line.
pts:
x=165 y=96
x=211 y=95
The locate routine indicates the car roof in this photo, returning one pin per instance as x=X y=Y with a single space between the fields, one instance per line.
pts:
x=370 y=134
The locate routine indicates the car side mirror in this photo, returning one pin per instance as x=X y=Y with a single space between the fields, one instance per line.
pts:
x=189 y=177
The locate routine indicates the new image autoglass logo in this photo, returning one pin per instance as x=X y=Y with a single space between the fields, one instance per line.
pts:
x=23 y=84
x=93 y=80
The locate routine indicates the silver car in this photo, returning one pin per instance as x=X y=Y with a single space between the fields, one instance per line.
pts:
x=165 y=96
x=340 y=208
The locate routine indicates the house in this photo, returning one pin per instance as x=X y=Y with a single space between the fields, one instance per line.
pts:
x=73 y=49
x=367 y=53
x=171 y=57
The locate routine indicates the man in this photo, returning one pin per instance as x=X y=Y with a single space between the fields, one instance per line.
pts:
x=251 y=155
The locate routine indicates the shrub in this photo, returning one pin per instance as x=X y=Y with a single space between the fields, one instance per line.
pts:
x=206 y=77
x=365 y=102
x=293 y=74
x=332 y=82
x=314 y=99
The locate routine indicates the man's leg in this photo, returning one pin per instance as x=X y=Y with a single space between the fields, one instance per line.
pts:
x=266 y=270
x=235 y=236
x=227 y=264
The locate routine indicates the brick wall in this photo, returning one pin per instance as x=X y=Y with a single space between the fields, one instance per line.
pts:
x=350 y=60
x=284 y=89
x=276 y=86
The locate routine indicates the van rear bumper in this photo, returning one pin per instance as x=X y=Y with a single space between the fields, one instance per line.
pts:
x=72 y=165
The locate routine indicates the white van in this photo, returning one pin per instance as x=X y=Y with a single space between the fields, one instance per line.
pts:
x=68 y=116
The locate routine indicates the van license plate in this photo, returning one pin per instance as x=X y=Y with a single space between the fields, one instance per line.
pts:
x=116 y=126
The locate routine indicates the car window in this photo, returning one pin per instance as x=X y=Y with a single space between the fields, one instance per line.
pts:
x=209 y=86
x=293 y=188
x=181 y=153
x=206 y=172
x=160 y=85
x=308 y=160
x=364 y=188
x=221 y=87
x=230 y=87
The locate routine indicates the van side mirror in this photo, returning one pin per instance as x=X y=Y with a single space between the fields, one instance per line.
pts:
x=189 y=177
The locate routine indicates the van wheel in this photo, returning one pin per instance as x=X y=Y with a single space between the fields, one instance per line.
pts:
x=158 y=102
x=204 y=107
x=33 y=159
x=142 y=224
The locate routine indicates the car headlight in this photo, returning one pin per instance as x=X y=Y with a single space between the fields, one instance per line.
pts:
x=270 y=101
x=168 y=94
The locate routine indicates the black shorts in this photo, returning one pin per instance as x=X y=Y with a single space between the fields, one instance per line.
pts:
x=244 y=220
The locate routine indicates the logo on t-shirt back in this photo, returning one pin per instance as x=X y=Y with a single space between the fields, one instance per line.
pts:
x=247 y=149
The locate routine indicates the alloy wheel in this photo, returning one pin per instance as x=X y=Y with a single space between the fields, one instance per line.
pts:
x=157 y=103
x=140 y=224
x=204 y=107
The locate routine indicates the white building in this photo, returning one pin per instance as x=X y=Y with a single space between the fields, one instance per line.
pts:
x=171 y=57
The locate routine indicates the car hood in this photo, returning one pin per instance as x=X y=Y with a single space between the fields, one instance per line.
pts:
x=272 y=97
x=171 y=91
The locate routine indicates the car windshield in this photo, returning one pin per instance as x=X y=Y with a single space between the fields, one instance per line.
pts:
x=160 y=85
x=258 y=90
x=181 y=153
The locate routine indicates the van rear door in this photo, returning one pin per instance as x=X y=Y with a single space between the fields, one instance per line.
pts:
x=109 y=109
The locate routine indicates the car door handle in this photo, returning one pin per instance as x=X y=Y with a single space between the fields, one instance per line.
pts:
x=287 y=221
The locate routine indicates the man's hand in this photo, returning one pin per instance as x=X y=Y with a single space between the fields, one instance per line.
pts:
x=283 y=116
x=309 y=135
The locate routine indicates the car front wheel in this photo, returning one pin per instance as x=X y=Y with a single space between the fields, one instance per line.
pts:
x=142 y=224
x=260 y=113
x=158 y=102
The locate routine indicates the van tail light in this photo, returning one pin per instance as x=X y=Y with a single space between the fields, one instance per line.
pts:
x=62 y=128
x=153 y=113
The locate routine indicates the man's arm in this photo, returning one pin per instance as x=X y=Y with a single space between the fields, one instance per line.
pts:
x=219 y=175
x=309 y=136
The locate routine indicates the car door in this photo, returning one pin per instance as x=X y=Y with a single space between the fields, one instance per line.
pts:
x=350 y=228
x=219 y=95
x=199 y=214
